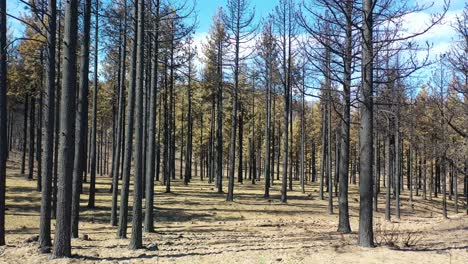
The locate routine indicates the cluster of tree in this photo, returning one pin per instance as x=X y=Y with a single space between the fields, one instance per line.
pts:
x=319 y=92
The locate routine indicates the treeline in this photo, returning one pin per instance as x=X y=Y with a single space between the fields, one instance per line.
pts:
x=320 y=92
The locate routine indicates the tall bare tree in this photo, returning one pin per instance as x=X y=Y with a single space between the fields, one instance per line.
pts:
x=3 y=117
x=151 y=148
x=129 y=125
x=238 y=22
x=81 y=119
x=136 y=239
x=62 y=241
x=286 y=29
x=366 y=234
x=93 y=157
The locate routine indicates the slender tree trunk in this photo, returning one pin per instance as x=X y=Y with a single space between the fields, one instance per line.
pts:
x=92 y=183
x=444 y=187
x=329 y=132
x=302 y=168
x=211 y=140
x=182 y=143
x=12 y=125
x=343 y=223
x=424 y=178
x=120 y=116
x=62 y=239
x=455 y=186
x=219 y=120
x=81 y=120
x=410 y=178
x=291 y=157
x=150 y=154
x=39 y=135
x=329 y=143
x=431 y=180
x=286 y=61
x=25 y=133
x=284 y=189
x=166 y=124
x=171 y=119
x=337 y=160
x=57 y=114
x=189 y=149
x=136 y=239
x=389 y=172
x=366 y=234
x=49 y=109
x=267 y=132
x=450 y=192
x=3 y=117
x=241 y=148
x=32 y=127
x=235 y=105
x=397 y=166
x=324 y=149
x=465 y=186
x=158 y=144
x=273 y=141
x=376 y=167
x=123 y=211
x=278 y=154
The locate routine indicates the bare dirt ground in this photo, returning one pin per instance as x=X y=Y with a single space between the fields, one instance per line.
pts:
x=195 y=225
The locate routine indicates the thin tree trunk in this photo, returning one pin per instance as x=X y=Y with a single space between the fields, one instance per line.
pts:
x=92 y=182
x=39 y=135
x=3 y=117
x=329 y=143
x=81 y=121
x=397 y=166
x=267 y=131
x=343 y=223
x=302 y=169
x=455 y=186
x=366 y=234
x=57 y=115
x=424 y=178
x=410 y=177
x=123 y=211
x=25 y=133
x=49 y=109
x=150 y=154
x=389 y=168
x=219 y=120
x=241 y=148
x=444 y=187
x=62 y=239
x=324 y=150
x=188 y=151
x=136 y=239
x=32 y=127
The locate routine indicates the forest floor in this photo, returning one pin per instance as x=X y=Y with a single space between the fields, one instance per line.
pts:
x=196 y=225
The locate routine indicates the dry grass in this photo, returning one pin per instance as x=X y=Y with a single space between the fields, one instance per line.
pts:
x=195 y=225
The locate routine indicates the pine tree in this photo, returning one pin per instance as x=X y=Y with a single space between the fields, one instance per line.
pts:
x=62 y=241
x=81 y=120
x=3 y=117
x=136 y=239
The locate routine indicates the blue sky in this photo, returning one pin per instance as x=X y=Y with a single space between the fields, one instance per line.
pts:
x=441 y=36
x=207 y=9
